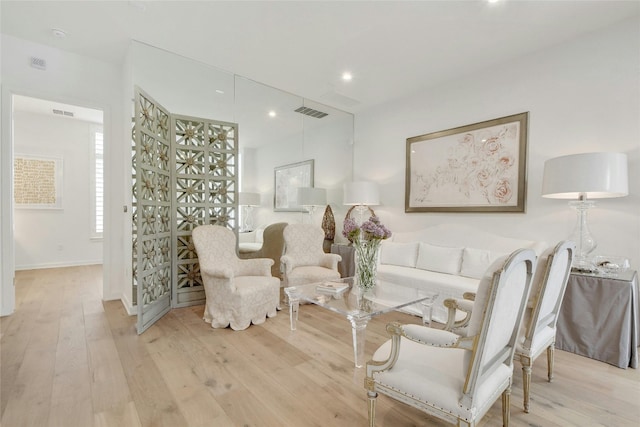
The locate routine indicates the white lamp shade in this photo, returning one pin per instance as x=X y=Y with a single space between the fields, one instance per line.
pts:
x=596 y=175
x=361 y=193
x=248 y=199
x=308 y=196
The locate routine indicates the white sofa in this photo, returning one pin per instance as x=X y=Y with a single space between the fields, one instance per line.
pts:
x=251 y=241
x=447 y=258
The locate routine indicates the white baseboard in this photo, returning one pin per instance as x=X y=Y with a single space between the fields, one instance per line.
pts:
x=132 y=310
x=57 y=265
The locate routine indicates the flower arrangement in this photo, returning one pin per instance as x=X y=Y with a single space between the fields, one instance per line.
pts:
x=366 y=240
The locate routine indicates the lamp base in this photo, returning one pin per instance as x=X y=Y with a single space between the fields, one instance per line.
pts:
x=585 y=243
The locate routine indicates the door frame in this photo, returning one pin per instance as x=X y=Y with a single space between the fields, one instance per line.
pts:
x=7 y=238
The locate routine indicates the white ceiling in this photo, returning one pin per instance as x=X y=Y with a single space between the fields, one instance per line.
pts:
x=42 y=106
x=392 y=48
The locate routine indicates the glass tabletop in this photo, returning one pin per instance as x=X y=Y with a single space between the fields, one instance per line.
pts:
x=350 y=302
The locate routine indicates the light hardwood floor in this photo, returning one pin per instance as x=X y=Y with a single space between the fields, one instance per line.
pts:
x=69 y=359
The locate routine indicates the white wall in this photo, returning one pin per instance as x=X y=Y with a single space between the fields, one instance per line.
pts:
x=77 y=80
x=57 y=237
x=583 y=96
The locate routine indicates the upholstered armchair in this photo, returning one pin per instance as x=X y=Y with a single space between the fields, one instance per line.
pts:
x=538 y=330
x=238 y=291
x=452 y=377
x=272 y=247
x=304 y=260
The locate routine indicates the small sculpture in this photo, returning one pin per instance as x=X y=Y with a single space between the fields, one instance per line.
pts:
x=329 y=228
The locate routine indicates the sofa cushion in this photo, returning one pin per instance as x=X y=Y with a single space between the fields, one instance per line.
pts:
x=248 y=247
x=476 y=261
x=401 y=254
x=260 y=235
x=441 y=259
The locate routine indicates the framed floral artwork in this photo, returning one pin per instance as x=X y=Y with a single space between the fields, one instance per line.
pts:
x=287 y=180
x=474 y=168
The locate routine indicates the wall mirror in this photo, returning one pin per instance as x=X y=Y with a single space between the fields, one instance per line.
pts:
x=275 y=128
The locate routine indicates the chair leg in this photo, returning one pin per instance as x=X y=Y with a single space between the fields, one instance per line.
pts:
x=526 y=380
x=506 y=410
x=550 y=354
x=372 y=407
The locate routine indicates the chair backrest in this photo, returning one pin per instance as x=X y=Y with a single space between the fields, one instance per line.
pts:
x=215 y=245
x=547 y=290
x=273 y=246
x=304 y=243
x=499 y=307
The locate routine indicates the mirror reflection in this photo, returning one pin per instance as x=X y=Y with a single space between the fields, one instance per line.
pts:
x=275 y=128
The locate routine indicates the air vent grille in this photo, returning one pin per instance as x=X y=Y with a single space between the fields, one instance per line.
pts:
x=63 y=113
x=311 y=112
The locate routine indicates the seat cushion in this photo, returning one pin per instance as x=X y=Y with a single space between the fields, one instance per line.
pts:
x=541 y=341
x=436 y=377
x=249 y=247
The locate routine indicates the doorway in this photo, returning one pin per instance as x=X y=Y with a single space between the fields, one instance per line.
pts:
x=58 y=203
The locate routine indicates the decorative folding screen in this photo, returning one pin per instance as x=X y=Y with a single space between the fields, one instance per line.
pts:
x=184 y=175
x=205 y=156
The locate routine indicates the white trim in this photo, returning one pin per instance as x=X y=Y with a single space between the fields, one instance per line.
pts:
x=7 y=256
x=58 y=265
x=132 y=310
x=7 y=243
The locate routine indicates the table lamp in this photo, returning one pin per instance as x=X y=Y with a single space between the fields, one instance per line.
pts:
x=361 y=194
x=248 y=201
x=582 y=177
x=310 y=198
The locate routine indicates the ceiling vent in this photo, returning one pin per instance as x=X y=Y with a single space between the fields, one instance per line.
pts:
x=311 y=112
x=63 y=113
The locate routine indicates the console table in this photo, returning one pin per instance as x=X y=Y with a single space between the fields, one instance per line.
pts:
x=599 y=318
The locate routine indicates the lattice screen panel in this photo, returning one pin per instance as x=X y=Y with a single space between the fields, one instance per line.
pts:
x=205 y=187
x=184 y=173
x=152 y=205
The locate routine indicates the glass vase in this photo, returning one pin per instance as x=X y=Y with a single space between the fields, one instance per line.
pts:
x=366 y=258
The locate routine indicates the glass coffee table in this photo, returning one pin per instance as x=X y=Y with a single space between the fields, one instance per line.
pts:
x=353 y=304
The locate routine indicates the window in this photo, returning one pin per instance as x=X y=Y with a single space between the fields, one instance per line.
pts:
x=97 y=182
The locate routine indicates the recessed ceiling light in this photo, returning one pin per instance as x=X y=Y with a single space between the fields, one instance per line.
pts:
x=58 y=33
x=272 y=113
x=219 y=91
x=346 y=76
x=493 y=1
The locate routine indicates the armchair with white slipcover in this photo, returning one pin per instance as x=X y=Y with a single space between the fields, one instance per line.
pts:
x=452 y=377
x=237 y=291
x=304 y=260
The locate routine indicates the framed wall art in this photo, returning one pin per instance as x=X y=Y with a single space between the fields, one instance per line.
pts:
x=37 y=182
x=474 y=168
x=287 y=180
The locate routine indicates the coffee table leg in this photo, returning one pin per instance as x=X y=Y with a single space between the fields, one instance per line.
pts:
x=358 y=330
x=294 y=304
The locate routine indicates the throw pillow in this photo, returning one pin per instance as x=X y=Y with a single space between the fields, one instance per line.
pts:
x=476 y=261
x=402 y=254
x=441 y=259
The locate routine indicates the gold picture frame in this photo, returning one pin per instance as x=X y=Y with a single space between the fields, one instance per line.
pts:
x=474 y=168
